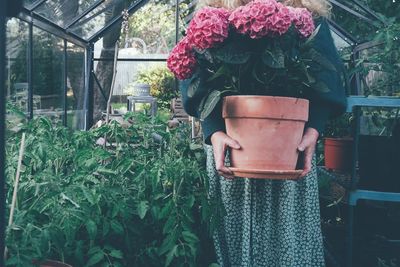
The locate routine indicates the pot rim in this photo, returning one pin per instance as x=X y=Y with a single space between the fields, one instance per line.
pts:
x=265 y=107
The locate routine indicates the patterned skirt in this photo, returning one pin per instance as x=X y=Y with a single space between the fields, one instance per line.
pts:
x=267 y=223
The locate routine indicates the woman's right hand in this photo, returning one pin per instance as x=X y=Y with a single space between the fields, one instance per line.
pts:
x=220 y=142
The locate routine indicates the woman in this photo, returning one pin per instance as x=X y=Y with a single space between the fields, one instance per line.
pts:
x=272 y=222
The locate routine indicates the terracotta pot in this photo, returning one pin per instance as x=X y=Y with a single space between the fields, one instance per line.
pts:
x=338 y=154
x=269 y=130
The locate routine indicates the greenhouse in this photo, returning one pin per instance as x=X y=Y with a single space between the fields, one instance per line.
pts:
x=105 y=113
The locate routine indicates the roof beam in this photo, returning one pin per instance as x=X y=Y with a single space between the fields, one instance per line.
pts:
x=351 y=11
x=87 y=11
x=133 y=8
x=36 y=5
x=52 y=28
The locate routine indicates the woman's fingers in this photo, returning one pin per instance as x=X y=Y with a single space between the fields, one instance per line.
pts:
x=307 y=146
x=221 y=142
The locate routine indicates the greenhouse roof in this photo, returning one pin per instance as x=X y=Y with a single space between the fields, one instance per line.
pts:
x=85 y=21
x=82 y=20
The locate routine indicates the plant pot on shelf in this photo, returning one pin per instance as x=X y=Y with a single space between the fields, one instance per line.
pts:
x=269 y=130
x=338 y=154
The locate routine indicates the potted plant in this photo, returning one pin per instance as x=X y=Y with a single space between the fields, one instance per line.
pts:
x=260 y=53
x=338 y=144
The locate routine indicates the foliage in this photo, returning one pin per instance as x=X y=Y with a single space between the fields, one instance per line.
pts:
x=153 y=24
x=339 y=127
x=378 y=66
x=47 y=55
x=162 y=84
x=141 y=200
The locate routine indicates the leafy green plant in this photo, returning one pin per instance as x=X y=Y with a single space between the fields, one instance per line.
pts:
x=162 y=84
x=141 y=200
x=339 y=127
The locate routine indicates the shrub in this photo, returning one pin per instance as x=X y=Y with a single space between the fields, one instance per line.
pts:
x=162 y=84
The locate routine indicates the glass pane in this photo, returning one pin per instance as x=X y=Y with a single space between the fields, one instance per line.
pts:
x=360 y=28
x=48 y=83
x=16 y=64
x=151 y=32
x=63 y=12
x=29 y=3
x=76 y=86
x=99 y=17
x=186 y=12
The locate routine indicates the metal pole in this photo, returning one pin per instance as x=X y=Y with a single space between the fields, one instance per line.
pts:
x=65 y=77
x=30 y=72
x=89 y=55
x=3 y=8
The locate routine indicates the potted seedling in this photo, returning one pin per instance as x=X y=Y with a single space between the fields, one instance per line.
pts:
x=338 y=144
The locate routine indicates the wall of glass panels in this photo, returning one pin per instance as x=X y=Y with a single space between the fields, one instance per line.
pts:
x=16 y=64
x=75 y=86
x=48 y=75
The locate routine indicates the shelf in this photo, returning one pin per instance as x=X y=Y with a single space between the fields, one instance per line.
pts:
x=372 y=101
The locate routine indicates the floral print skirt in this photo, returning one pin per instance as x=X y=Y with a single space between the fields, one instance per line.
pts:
x=267 y=223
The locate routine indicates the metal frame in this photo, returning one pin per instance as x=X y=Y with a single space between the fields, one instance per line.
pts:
x=30 y=71
x=135 y=6
x=65 y=77
x=34 y=19
x=52 y=28
x=3 y=8
x=87 y=11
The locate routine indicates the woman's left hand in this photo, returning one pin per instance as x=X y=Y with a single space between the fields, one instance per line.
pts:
x=307 y=146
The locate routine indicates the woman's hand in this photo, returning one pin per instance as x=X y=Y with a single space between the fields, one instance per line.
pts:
x=307 y=145
x=220 y=142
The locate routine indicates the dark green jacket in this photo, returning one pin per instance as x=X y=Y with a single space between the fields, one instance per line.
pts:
x=322 y=105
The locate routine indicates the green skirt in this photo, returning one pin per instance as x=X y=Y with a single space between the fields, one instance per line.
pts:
x=267 y=223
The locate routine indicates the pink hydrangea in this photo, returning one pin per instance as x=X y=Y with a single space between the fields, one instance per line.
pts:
x=182 y=61
x=209 y=27
x=303 y=21
x=261 y=17
x=280 y=21
x=251 y=18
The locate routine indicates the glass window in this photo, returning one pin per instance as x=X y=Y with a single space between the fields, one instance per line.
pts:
x=99 y=17
x=379 y=70
x=63 y=12
x=48 y=82
x=16 y=64
x=75 y=86
x=355 y=20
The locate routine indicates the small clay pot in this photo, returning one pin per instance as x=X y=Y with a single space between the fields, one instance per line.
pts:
x=338 y=154
x=269 y=130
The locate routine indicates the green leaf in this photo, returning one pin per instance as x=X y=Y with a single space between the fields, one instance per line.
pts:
x=223 y=70
x=169 y=224
x=170 y=256
x=91 y=228
x=193 y=86
x=96 y=258
x=211 y=101
x=190 y=237
x=233 y=53
x=274 y=57
x=116 y=254
x=142 y=208
x=214 y=265
x=312 y=36
x=116 y=226
x=166 y=210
